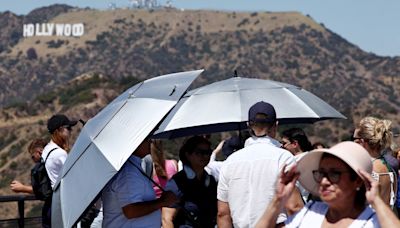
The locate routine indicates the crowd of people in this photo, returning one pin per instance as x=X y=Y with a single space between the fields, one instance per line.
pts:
x=265 y=180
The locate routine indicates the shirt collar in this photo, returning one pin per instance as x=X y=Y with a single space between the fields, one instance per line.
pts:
x=190 y=174
x=265 y=139
x=136 y=160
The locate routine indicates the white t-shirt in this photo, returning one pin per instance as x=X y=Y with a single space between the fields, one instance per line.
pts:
x=313 y=214
x=247 y=179
x=55 y=161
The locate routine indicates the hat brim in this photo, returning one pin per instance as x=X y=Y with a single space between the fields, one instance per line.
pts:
x=352 y=154
x=72 y=123
x=305 y=165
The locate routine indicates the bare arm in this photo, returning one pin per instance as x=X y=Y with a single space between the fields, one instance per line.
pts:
x=386 y=217
x=224 y=219
x=384 y=181
x=136 y=210
x=295 y=202
x=18 y=187
x=168 y=215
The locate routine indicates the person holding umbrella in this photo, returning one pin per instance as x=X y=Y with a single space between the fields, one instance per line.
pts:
x=129 y=199
x=246 y=181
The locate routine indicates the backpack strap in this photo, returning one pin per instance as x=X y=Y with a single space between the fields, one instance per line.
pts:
x=49 y=154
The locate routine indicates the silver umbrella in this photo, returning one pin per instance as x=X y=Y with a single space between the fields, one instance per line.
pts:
x=224 y=105
x=108 y=139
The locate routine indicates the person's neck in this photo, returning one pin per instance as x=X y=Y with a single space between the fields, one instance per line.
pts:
x=335 y=214
x=199 y=172
x=297 y=152
x=374 y=153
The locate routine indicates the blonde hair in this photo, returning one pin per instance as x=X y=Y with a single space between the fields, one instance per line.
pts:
x=376 y=132
x=60 y=140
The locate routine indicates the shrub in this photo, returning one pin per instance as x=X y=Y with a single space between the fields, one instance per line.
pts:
x=31 y=54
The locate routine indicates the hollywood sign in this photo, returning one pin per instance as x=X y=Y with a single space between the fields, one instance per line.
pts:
x=50 y=29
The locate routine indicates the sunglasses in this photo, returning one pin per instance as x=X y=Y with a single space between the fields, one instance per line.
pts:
x=333 y=175
x=207 y=152
x=355 y=138
x=69 y=128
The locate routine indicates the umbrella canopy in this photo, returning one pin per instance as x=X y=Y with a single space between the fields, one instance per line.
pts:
x=224 y=105
x=108 y=139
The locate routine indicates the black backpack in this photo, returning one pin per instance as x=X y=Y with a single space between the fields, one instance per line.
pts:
x=40 y=180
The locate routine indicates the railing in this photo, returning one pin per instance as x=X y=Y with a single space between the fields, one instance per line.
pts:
x=21 y=220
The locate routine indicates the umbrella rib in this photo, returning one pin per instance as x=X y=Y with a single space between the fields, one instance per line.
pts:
x=93 y=139
x=305 y=104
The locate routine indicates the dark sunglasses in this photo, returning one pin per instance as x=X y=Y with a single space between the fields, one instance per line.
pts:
x=352 y=138
x=202 y=151
x=69 y=128
x=333 y=176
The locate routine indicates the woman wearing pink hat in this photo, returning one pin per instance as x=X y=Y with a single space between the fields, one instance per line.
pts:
x=340 y=177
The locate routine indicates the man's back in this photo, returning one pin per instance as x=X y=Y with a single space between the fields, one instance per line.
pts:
x=248 y=178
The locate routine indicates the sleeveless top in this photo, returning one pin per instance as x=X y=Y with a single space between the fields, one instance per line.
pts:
x=392 y=176
x=170 y=169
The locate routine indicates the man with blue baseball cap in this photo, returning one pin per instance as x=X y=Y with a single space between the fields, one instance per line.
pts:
x=247 y=178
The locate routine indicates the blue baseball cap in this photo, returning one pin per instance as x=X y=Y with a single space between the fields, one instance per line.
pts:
x=262 y=108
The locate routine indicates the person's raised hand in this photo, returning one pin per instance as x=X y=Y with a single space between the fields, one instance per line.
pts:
x=371 y=186
x=286 y=182
x=219 y=147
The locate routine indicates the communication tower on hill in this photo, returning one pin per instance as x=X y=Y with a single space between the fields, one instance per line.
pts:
x=168 y=4
x=112 y=6
x=133 y=4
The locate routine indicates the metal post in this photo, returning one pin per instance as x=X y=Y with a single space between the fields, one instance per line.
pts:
x=21 y=211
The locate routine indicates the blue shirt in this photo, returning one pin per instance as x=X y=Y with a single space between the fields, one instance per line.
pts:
x=128 y=186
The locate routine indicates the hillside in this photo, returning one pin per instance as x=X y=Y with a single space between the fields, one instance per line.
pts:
x=43 y=75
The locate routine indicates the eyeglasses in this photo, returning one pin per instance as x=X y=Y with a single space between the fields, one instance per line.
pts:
x=333 y=175
x=207 y=152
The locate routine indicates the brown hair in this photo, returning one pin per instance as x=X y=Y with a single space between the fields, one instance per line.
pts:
x=36 y=143
x=376 y=132
x=157 y=154
x=60 y=140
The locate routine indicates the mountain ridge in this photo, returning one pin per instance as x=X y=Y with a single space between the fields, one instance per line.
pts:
x=40 y=76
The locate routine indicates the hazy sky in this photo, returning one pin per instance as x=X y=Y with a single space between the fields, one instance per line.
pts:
x=373 y=25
